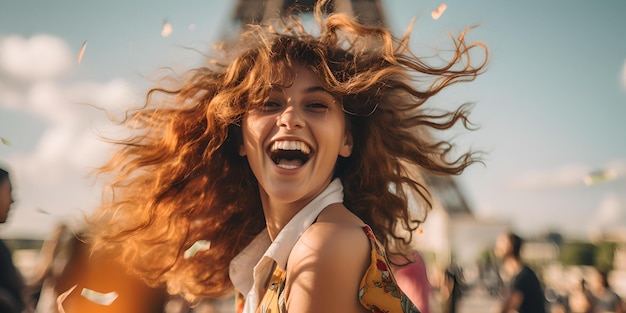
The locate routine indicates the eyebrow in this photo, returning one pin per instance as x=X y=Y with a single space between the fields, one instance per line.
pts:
x=316 y=89
x=312 y=89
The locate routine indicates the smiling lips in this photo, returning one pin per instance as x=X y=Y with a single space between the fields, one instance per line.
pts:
x=289 y=154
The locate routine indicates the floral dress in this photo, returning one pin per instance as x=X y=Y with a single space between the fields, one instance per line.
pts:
x=378 y=291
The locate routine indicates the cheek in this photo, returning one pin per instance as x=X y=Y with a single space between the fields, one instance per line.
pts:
x=5 y=196
x=253 y=133
x=253 y=129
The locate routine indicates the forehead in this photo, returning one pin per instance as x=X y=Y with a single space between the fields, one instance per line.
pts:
x=288 y=77
x=284 y=73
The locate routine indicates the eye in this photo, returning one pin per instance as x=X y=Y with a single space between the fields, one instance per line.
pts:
x=270 y=106
x=317 y=107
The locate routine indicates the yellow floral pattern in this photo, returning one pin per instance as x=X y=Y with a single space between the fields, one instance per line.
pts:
x=378 y=291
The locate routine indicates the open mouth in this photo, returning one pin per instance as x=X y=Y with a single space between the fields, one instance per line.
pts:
x=289 y=154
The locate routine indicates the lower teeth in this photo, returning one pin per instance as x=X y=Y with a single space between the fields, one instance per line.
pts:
x=287 y=166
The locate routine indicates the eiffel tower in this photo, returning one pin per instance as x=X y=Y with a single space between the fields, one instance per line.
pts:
x=445 y=190
x=369 y=12
x=366 y=11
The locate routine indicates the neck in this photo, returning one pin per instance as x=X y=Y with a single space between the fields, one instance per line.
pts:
x=278 y=214
x=276 y=219
x=279 y=210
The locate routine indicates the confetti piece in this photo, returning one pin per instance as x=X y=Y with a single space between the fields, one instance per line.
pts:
x=597 y=177
x=5 y=141
x=192 y=27
x=82 y=51
x=98 y=297
x=420 y=230
x=167 y=29
x=200 y=245
x=436 y=14
x=62 y=298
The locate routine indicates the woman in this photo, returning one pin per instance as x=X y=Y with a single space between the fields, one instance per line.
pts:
x=289 y=164
x=604 y=298
x=13 y=296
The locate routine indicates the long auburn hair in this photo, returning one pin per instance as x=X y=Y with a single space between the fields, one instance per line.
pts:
x=179 y=179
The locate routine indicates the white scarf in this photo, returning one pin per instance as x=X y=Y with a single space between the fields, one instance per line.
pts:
x=250 y=269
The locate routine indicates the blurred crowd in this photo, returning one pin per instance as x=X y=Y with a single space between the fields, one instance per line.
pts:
x=65 y=270
x=63 y=258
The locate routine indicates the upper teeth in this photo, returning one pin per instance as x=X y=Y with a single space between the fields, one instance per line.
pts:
x=291 y=145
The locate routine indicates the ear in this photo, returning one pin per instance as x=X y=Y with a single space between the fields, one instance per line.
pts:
x=346 y=148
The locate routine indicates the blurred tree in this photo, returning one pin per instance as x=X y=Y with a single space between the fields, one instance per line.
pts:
x=604 y=254
x=486 y=256
x=555 y=237
x=577 y=253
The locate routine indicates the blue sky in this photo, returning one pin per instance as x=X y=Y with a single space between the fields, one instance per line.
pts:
x=551 y=106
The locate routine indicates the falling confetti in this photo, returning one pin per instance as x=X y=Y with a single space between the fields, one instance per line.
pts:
x=62 y=298
x=436 y=14
x=82 y=51
x=98 y=297
x=420 y=230
x=192 y=27
x=167 y=29
x=200 y=245
x=5 y=141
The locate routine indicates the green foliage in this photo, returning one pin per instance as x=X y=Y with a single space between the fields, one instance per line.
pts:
x=486 y=256
x=585 y=253
x=577 y=253
x=605 y=252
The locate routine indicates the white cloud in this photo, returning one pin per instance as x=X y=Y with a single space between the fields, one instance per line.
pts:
x=48 y=101
x=115 y=97
x=566 y=176
x=562 y=177
x=53 y=175
x=71 y=138
x=618 y=166
x=89 y=151
x=37 y=58
x=10 y=97
x=610 y=212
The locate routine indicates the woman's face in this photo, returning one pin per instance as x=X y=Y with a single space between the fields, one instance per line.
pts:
x=292 y=142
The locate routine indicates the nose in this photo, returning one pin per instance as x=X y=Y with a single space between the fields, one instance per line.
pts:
x=290 y=118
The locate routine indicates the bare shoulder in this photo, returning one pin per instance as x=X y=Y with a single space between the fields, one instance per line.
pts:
x=337 y=234
x=327 y=264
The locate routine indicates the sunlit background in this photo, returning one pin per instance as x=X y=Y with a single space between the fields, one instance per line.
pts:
x=551 y=107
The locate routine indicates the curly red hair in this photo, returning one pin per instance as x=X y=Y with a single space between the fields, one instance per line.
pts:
x=179 y=178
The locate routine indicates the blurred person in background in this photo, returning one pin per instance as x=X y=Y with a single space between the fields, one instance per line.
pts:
x=557 y=300
x=12 y=288
x=451 y=289
x=604 y=298
x=524 y=293
x=47 y=268
x=580 y=299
